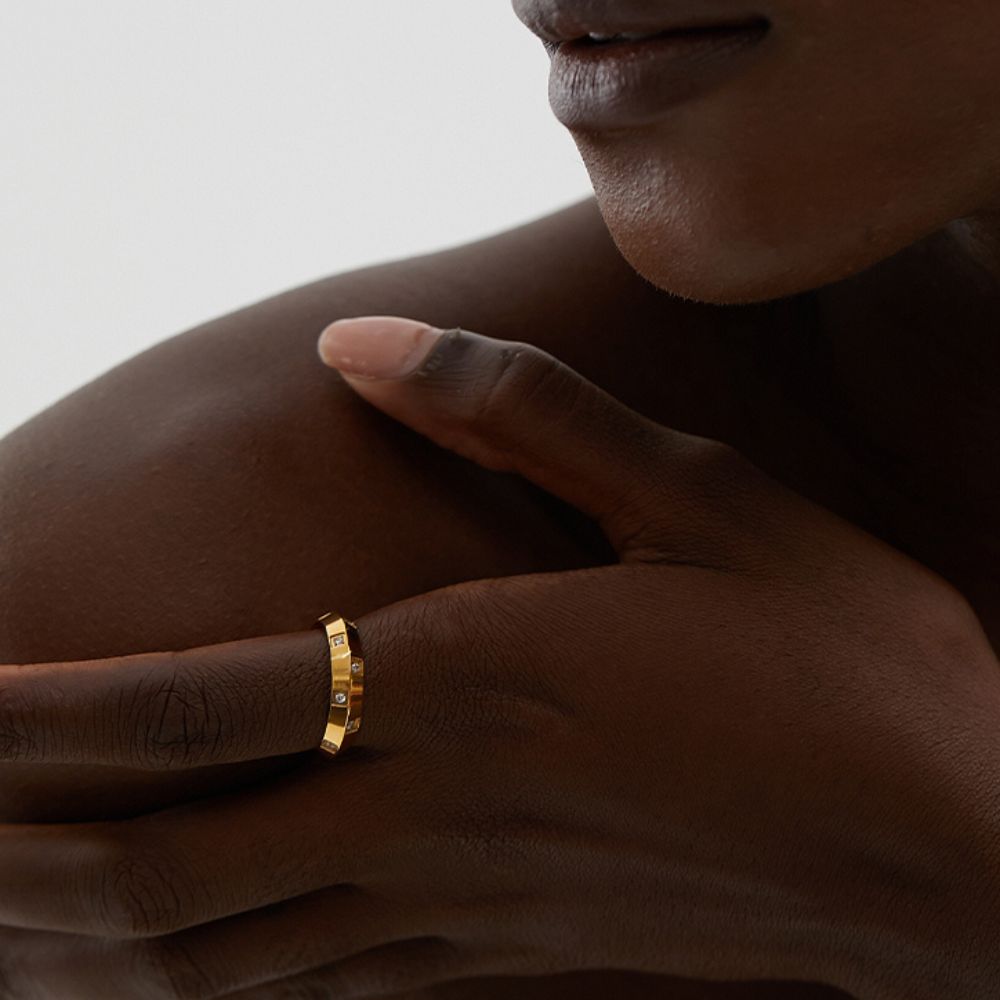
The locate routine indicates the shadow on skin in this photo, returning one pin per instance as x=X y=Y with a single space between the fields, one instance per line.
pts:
x=225 y=484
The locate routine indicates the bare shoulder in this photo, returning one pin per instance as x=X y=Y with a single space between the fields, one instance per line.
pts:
x=224 y=483
x=557 y=281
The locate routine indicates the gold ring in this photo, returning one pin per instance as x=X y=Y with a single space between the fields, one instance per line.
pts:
x=347 y=683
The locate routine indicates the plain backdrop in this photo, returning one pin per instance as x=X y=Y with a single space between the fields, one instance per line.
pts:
x=166 y=162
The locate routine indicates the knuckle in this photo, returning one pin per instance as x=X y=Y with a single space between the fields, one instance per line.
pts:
x=138 y=894
x=20 y=738
x=492 y=839
x=476 y=677
x=520 y=373
x=178 y=724
x=168 y=971
x=403 y=629
x=495 y=688
x=438 y=629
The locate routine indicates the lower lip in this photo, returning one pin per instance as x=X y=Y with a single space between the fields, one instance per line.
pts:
x=600 y=86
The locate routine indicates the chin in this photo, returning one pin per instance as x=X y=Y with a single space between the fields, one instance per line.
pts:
x=690 y=255
x=734 y=237
x=674 y=237
x=691 y=266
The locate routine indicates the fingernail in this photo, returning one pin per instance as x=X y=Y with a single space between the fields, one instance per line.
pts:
x=377 y=347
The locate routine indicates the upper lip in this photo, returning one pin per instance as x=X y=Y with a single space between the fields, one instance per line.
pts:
x=556 y=21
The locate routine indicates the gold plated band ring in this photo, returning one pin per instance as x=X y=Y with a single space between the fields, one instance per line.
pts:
x=347 y=683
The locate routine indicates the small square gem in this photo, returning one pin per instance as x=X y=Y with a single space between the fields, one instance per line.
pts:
x=340 y=698
x=356 y=667
x=339 y=640
x=352 y=726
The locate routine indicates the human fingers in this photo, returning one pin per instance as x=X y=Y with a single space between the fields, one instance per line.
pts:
x=656 y=492
x=235 y=701
x=512 y=407
x=416 y=965
x=209 y=859
x=198 y=862
x=660 y=495
x=366 y=942
x=617 y=984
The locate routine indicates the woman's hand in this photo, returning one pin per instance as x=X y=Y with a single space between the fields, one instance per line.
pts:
x=761 y=745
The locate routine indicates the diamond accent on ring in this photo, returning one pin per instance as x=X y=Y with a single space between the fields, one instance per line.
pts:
x=340 y=698
x=339 y=640
x=355 y=668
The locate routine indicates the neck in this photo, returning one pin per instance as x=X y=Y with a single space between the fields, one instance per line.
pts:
x=915 y=351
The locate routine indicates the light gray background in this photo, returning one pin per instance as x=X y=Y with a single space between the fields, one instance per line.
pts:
x=162 y=163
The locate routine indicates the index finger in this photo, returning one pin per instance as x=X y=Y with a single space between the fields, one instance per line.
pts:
x=216 y=704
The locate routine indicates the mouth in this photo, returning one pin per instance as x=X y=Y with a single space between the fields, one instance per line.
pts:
x=617 y=40
x=603 y=80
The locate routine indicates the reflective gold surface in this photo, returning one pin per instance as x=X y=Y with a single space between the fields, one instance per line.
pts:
x=347 y=683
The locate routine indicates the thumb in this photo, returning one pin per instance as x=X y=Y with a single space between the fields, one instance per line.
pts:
x=514 y=408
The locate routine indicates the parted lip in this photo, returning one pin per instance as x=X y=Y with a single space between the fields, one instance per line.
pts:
x=556 y=21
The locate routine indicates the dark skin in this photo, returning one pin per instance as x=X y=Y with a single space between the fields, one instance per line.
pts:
x=193 y=539
x=826 y=391
x=304 y=396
